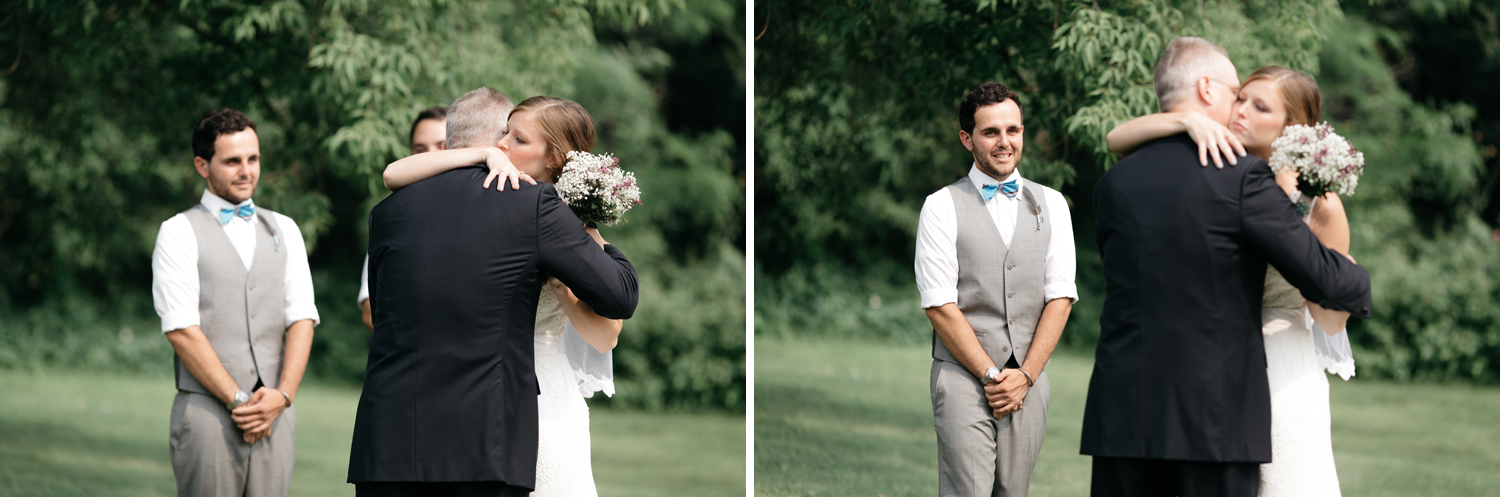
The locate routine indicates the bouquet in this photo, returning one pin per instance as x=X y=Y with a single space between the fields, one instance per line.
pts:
x=597 y=190
x=1325 y=161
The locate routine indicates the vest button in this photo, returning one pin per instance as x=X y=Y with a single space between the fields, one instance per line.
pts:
x=1005 y=348
x=1009 y=295
x=1010 y=266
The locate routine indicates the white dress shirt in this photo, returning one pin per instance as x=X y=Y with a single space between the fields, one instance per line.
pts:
x=937 y=239
x=174 y=265
x=364 y=282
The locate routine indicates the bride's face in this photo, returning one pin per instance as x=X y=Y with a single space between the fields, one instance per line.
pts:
x=1259 y=115
x=525 y=147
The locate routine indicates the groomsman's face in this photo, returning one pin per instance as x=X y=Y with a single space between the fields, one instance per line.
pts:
x=430 y=135
x=996 y=142
x=235 y=167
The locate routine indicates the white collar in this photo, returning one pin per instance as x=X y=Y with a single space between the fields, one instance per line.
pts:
x=215 y=203
x=980 y=179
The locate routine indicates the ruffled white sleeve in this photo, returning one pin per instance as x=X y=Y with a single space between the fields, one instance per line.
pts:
x=595 y=371
x=1335 y=355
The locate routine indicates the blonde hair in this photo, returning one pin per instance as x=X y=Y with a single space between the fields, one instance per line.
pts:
x=563 y=124
x=1299 y=93
x=1186 y=59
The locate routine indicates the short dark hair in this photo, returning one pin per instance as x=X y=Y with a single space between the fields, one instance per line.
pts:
x=435 y=112
x=989 y=93
x=215 y=124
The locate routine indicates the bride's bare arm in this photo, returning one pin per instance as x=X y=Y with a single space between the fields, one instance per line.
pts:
x=1331 y=225
x=600 y=332
x=426 y=165
x=1213 y=138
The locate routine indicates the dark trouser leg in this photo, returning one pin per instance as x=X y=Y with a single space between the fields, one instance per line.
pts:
x=423 y=489
x=1216 y=479
x=1120 y=477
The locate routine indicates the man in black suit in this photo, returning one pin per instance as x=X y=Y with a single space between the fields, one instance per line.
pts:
x=449 y=405
x=1179 y=403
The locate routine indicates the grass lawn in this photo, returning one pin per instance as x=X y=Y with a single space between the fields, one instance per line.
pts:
x=849 y=418
x=104 y=434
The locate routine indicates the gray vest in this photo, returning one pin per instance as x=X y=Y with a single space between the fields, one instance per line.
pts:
x=243 y=313
x=999 y=287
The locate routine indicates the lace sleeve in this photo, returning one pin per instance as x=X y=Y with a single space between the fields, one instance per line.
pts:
x=595 y=371
x=1335 y=355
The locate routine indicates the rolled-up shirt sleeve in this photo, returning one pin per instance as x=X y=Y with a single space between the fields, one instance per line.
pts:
x=1058 y=277
x=174 y=274
x=937 y=251
x=298 y=286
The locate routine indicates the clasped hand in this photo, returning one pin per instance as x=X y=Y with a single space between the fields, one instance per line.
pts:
x=1006 y=395
x=256 y=416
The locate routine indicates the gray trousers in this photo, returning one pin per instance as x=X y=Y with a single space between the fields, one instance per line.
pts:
x=979 y=455
x=210 y=456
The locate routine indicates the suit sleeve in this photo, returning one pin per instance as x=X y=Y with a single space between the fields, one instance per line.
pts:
x=604 y=279
x=1323 y=275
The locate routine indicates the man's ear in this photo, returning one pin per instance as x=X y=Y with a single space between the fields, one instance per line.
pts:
x=201 y=165
x=963 y=136
x=1204 y=88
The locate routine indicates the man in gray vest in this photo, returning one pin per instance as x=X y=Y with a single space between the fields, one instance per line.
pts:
x=231 y=284
x=995 y=265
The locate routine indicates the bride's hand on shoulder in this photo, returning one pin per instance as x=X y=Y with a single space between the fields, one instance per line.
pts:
x=501 y=167
x=1213 y=139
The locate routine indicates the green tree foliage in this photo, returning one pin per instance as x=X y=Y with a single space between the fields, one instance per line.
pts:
x=856 y=119
x=98 y=99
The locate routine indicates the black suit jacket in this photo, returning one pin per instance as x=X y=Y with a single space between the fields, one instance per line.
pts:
x=450 y=390
x=1180 y=370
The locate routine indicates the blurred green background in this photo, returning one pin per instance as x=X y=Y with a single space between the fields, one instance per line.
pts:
x=856 y=123
x=97 y=104
x=98 y=100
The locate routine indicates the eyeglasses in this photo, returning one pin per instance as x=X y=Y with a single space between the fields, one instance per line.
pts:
x=1235 y=89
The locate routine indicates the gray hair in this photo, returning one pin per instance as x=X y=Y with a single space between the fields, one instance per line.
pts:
x=477 y=119
x=1186 y=59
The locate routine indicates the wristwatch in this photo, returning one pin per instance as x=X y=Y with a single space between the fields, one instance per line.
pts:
x=991 y=375
x=240 y=398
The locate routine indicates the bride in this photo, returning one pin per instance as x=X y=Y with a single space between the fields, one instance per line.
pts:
x=572 y=343
x=1302 y=339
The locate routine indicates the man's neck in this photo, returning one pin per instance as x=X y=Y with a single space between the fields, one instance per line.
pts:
x=1193 y=107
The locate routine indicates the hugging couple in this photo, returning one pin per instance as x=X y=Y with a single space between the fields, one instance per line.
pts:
x=484 y=304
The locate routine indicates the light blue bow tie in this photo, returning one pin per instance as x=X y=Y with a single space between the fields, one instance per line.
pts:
x=1009 y=188
x=244 y=211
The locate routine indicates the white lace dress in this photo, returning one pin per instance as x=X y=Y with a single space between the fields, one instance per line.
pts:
x=563 y=466
x=1301 y=447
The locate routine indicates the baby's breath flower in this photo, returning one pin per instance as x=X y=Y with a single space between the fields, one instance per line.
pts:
x=1326 y=161
x=597 y=189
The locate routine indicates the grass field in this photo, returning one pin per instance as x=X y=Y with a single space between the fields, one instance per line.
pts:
x=71 y=434
x=851 y=418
